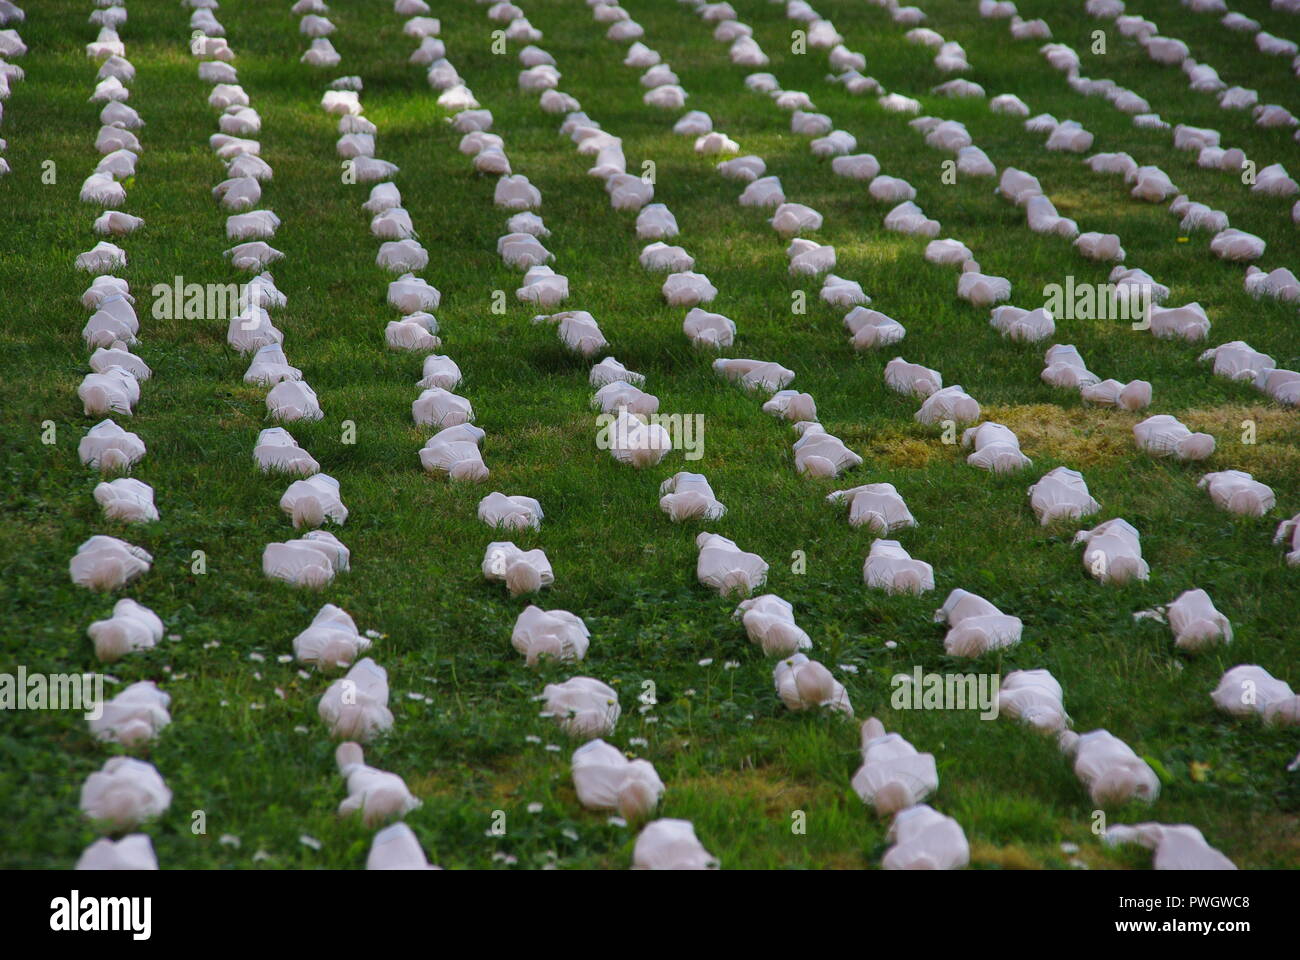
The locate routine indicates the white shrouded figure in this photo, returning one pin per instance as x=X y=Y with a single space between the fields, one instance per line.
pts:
x=1134 y=395
x=133 y=717
x=583 y=706
x=804 y=684
x=976 y=626
x=1177 y=847
x=996 y=448
x=127 y=500
x=634 y=441
x=107 y=563
x=925 y=839
x=687 y=496
x=893 y=775
x=1113 y=552
x=869 y=329
x=277 y=450
x=949 y=403
x=1061 y=494
x=891 y=568
x=331 y=641
x=755 y=374
x=669 y=844
x=724 y=567
x=820 y=454
x=416 y=332
x=1064 y=367
x=379 y=796
x=576 y=329
x=605 y=779
x=291 y=400
x=1288 y=534
x=436 y=407
x=912 y=379
x=130 y=628
x=124 y=793
x=310 y=561
x=1034 y=697
x=1238 y=492
x=543 y=286
x=769 y=623
x=877 y=506
x=1196 y=623
x=510 y=512
x=610 y=371
x=1164 y=436
x=396 y=848
x=314 y=501
x=981 y=289
x=522 y=571
x=355 y=707
x=132 y=852
x=556 y=634
x=1250 y=689
x=1107 y=766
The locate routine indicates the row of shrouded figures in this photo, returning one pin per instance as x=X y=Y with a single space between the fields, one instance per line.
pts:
x=312 y=501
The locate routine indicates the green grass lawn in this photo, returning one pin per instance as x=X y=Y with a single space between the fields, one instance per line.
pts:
x=734 y=760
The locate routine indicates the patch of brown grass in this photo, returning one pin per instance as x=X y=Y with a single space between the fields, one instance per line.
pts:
x=1008 y=858
x=1087 y=436
x=775 y=796
x=900 y=447
x=1080 y=436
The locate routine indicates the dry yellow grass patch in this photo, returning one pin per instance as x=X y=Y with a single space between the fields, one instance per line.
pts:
x=1087 y=436
x=1081 y=436
x=775 y=796
x=899 y=447
x=1008 y=858
x=1276 y=450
